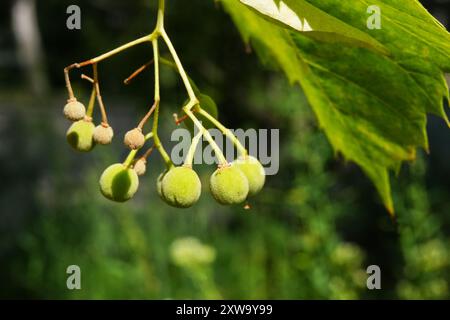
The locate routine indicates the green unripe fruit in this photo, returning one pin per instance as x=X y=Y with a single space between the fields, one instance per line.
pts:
x=119 y=183
x=254 y=171
x=134 y=139
x=103 y=134
x=74 y=110
x=159 y=185
x=80 y=135
x=229 y=185
x=140 y=167
x=181 y=187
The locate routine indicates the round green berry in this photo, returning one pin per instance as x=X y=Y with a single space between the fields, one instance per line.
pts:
x=229 y=185
x=181 y=187
x=119 y=183
x=74 y=110
x=254 y=171
x=159 y=185
x=80 y=135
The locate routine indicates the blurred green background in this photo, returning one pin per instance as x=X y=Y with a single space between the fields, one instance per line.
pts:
x=311 y=232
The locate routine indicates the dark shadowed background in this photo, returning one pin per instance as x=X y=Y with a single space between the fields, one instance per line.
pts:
x=311 y=233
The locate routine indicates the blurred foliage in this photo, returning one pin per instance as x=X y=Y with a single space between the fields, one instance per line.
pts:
x=310 y=234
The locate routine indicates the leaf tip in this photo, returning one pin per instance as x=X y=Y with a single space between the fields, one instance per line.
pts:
x=391 y=211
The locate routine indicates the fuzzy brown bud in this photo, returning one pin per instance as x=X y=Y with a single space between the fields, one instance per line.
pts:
x=134 y=139
x=140 y=166
x=74 y=110
x=103 y=134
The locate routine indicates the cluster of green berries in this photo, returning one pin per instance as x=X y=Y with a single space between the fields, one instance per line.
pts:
x=230 y=184
x=83 y=135
x=180 y=187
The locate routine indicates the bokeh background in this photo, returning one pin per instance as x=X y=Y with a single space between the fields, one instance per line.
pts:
x=311 y=232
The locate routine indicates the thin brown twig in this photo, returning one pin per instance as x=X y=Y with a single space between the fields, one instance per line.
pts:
x=99 y=97
x=67 y=79
x=148 y=115
x=148 y=153
x=179 y=120
x=85 y=77
x=137 y=72
x=84 y=63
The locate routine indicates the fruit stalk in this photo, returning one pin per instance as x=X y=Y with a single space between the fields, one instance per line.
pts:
x=225 y=131
x=181 y=70
x=147 y=116
x=133 y=153
x=99 y=97
x=158 y=144
x=67 y=79
x=147 y=38
x=137 y=72
x=191 y=153
x=160 y=19
x=90 y=109
x=206 y=134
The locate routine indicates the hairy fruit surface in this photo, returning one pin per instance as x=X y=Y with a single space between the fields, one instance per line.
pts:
x=74 y=110
x=140 y=167
x=103 y=134
x=181 y=187
x=80 y=135
x=254 y=171
x=159 y=185
x=134 y=139
x=229 y=185
x=119 y=183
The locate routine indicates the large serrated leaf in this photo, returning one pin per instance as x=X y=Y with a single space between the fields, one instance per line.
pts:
x=302 y=16
x=371 y=105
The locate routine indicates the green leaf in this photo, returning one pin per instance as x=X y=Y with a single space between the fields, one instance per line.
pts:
x=302 y=16
x=371 y=104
